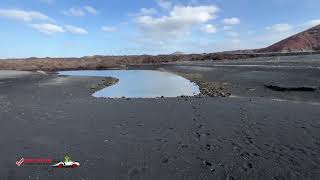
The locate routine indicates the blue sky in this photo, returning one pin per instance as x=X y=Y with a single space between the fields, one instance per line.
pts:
x=75 y=28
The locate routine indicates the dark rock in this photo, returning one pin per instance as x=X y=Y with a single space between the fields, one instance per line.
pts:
x=208 y=146
x=229 y=177
x=133 y=172
x=209 y=165
x=198 y=135
x=247 y=166
x=165 y=160
x=184 y=146
x=289 y=88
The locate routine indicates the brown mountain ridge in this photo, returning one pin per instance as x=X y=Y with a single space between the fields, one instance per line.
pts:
x=308 y=40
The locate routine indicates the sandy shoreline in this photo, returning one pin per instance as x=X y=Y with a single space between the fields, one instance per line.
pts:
x=253 y=137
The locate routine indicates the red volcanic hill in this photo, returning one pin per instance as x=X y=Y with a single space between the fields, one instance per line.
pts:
x=308 y=40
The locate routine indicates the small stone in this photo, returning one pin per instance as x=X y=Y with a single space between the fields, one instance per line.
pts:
x=198 y=135
x=207 y=163
x=165 y=160
x=229 y=177
x=133 y=172
x=184 y=146
x=248 y=165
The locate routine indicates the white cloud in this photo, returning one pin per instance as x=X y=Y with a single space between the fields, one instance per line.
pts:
x=275 y=33
x=75 y=30
x=74 y=12
x=108 y=29
x=165 y=4
x=80 y=11
x=47 y=1
x=48 y=28
x=144 y=12
x=209 y=28
x=196 y=14
x=231 y=21
x=313 y=23
x=25 y=16
x=90 y=10
x=278 y=32
x=235 y=41
x=148 y=11
x=227 y=28
x=179 y=21
x=251 y=32
x=233 y=34
x=280 y=28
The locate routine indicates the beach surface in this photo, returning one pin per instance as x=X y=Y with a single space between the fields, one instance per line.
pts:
x=253 y=132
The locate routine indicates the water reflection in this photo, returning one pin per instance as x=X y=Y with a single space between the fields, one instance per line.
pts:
x=141 y=83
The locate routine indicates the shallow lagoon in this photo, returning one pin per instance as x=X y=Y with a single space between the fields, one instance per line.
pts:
x=141 y=83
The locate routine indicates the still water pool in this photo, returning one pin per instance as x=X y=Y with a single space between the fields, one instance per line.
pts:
x=141 y=83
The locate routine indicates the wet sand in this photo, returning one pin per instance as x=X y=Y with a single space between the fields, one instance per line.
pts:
x=257 y=133
x=9 y=74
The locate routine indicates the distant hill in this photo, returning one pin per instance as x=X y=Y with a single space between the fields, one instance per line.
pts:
x=178 y=53
x=308 y=40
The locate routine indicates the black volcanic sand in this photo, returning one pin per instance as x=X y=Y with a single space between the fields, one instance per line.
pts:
x=248 y=137
x=248 y=78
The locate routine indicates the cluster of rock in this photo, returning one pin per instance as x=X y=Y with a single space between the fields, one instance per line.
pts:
x=208 y=89
x=212 y=89
x=106 y=82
